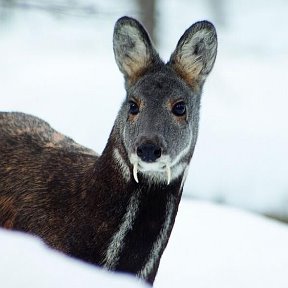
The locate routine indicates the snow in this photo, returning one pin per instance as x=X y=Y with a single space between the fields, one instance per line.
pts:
x=27 y=262
x=211 y=246
x=216 y=246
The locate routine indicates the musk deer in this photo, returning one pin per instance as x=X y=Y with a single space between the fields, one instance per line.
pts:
x=116 y=210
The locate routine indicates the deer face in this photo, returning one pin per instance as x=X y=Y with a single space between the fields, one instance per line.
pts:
x=158 y=129
x=158 y=121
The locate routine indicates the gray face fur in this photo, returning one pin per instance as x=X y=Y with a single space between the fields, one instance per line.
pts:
x=155 y=88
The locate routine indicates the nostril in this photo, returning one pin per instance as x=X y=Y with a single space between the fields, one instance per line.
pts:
x=148 y=152
x=157 y=153
x=140 y=151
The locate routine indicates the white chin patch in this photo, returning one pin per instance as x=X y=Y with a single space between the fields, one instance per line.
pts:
x=156 y=170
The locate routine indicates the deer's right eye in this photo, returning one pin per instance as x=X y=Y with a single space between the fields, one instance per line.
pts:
x=133 y=108
x=179 y=109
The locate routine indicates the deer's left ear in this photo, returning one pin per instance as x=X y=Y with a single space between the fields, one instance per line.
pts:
x=195 y=54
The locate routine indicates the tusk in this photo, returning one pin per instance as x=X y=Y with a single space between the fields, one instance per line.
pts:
x=135 y=170
x=168 y=172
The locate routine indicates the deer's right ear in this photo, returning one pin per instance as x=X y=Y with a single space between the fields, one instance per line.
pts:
x=195 y=54
x=133 y=49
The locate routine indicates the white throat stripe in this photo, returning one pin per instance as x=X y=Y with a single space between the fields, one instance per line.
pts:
x=117 y=242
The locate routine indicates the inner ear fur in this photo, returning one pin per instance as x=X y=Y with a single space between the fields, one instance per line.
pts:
x=133 y=50
x=195 y=54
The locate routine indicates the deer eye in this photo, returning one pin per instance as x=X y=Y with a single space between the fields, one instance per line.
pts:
x=179 y=109
x=133 y=108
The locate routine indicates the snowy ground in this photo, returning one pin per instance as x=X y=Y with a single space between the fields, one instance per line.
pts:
x=26 y=262
x=211 y=247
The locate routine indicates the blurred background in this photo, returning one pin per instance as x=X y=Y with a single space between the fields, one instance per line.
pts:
x=56 y=62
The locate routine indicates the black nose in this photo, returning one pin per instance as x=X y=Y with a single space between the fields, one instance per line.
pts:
x=149 y=152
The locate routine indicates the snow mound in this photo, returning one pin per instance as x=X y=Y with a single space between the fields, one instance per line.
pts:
x=27 y=262
x=216 y=246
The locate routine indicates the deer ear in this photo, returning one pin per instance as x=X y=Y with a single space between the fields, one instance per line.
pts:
x=133 y=49
x=195 y=54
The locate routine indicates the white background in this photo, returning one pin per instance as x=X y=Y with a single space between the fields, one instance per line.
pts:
x=62 y=69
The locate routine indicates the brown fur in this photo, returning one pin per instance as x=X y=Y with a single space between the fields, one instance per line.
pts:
x=191 y=77
x=26 y=150
x=137 y=72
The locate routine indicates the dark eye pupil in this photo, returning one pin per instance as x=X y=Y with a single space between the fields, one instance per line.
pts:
x=179 y=109
x=133 y=108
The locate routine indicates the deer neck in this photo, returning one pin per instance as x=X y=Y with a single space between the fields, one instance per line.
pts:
x=143 y=213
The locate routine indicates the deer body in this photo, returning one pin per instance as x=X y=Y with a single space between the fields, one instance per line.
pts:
x=116 y=210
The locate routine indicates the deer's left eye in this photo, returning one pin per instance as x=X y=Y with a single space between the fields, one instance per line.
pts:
x=133 y=108
x=179 y=109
